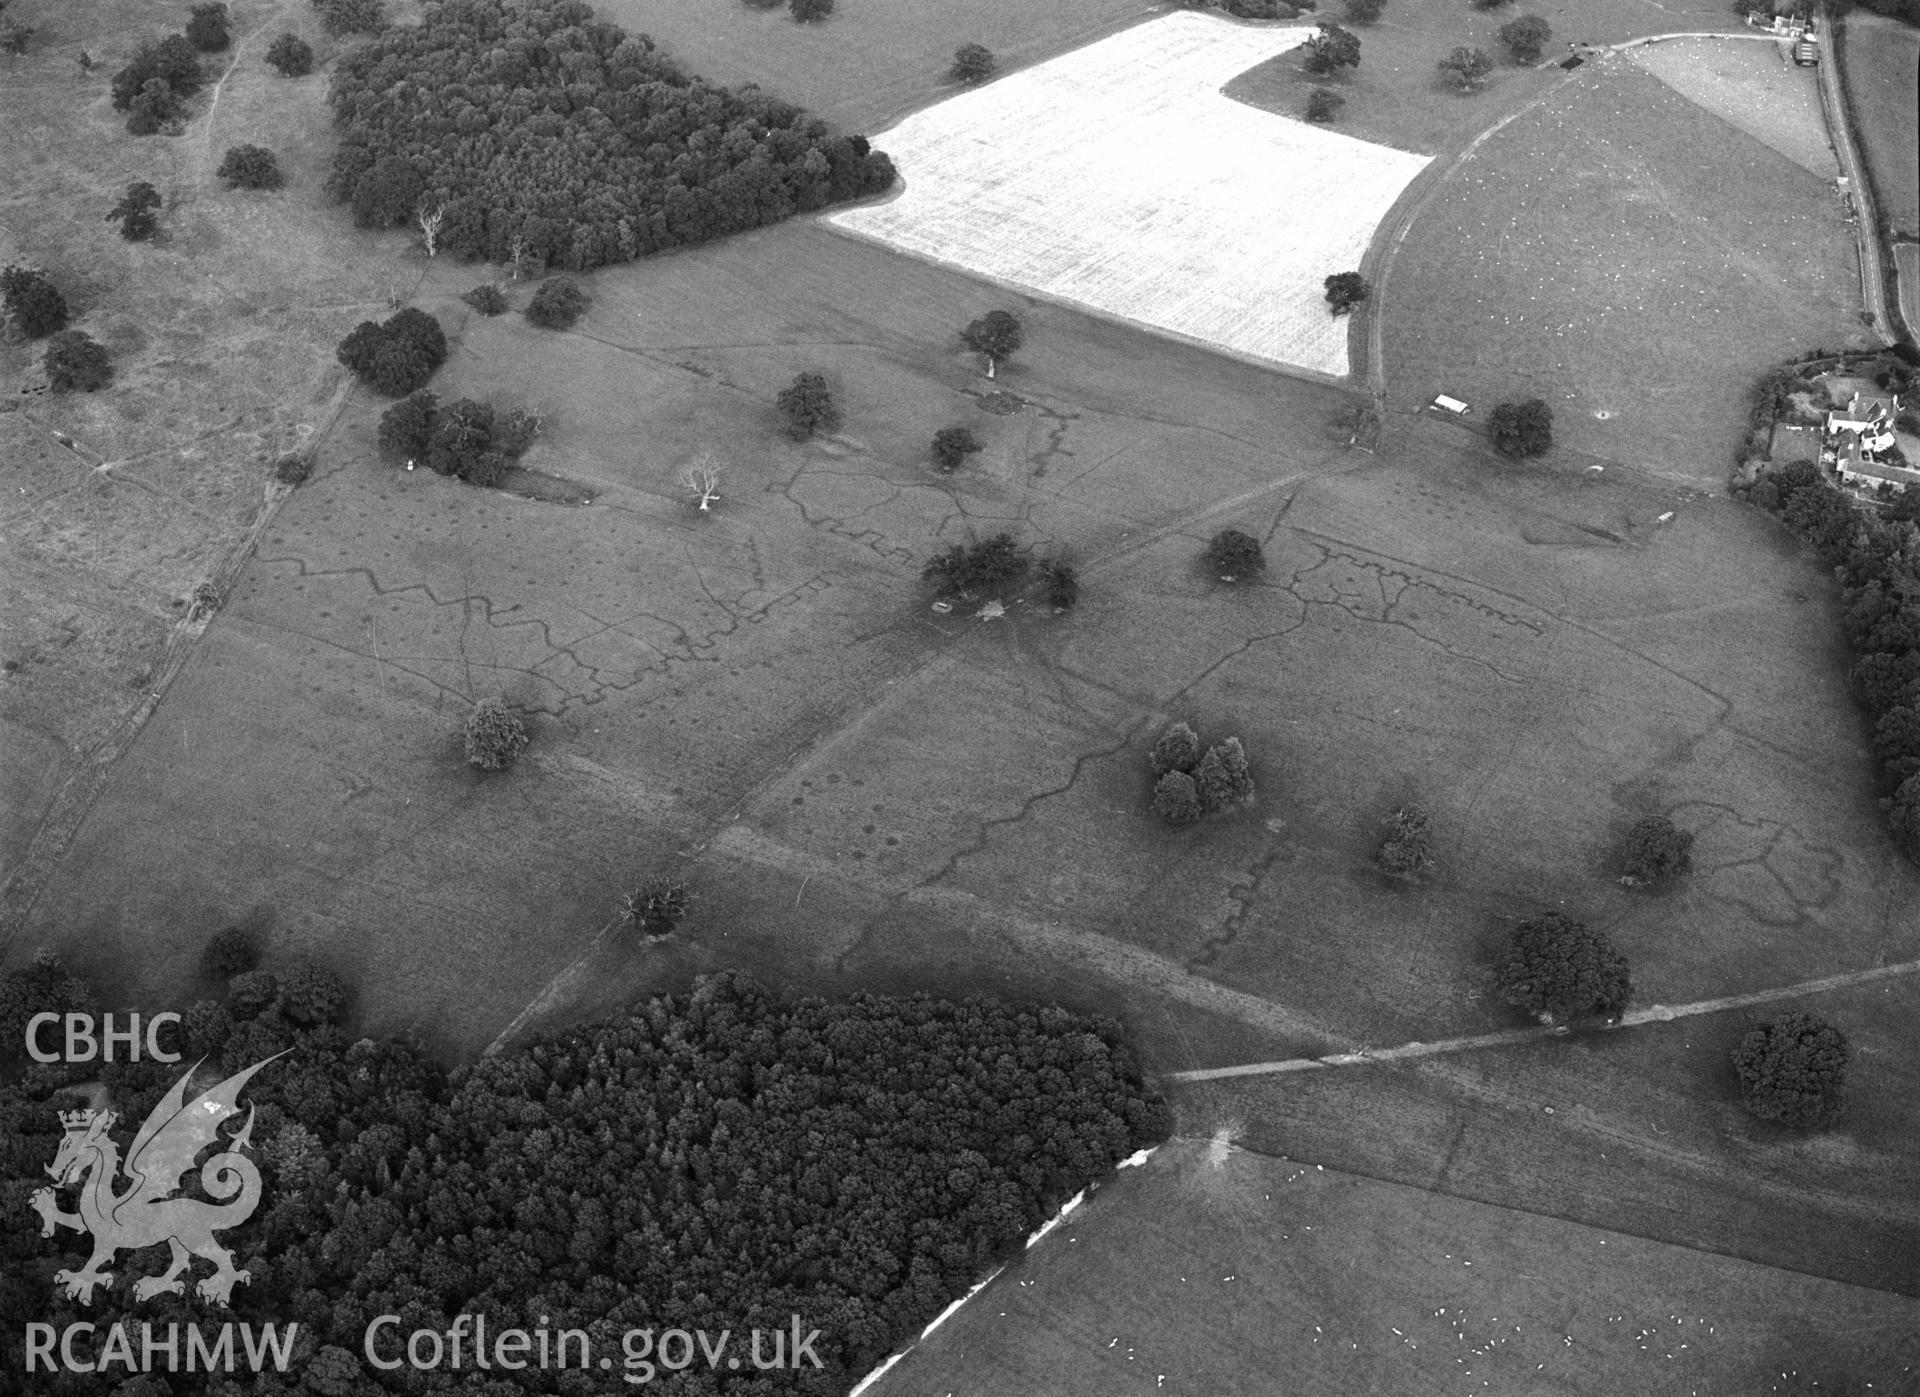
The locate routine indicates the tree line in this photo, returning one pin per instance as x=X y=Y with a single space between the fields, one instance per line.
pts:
x=721 y=1159
x=543 y=134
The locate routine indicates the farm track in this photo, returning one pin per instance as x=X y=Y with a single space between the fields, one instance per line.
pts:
x=1866 y=219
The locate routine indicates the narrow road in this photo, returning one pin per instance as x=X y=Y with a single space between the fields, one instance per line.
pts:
x=1654 y=1013
x=1866 y=221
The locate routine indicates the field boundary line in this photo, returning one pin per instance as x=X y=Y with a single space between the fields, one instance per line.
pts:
x=1653 y=1013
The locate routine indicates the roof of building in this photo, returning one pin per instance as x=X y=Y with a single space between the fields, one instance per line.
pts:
x=1874 y=470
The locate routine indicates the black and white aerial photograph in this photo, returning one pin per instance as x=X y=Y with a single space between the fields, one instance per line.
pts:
x=982 y=698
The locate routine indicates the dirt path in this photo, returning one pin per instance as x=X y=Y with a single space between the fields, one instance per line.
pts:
x=1654 y=1013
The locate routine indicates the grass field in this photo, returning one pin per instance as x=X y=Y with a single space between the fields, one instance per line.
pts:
x=1314 y=1280
x=1630 y=258
x=1753 y=86
x=1116 y=178
x=1882 y=58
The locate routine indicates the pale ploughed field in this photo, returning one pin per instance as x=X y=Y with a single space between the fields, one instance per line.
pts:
x=1118 y=179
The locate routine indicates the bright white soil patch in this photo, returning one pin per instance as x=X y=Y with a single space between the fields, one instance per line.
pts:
x=1118 y=178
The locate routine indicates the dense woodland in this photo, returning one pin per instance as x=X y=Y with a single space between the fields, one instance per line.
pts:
x=543 y=131
x=724 y=1159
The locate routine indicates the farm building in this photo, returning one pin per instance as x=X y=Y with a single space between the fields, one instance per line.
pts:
x=1806 y=53
x=1858 y=470
x=1442 y=403
x=1867 y=419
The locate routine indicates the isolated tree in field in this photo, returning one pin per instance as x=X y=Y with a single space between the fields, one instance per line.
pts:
x=1176 y=798
x=1526 y=37
x=428 y=218
x=991 y=566
x=1794 y=1070
x=230 y=951
x=386 y=195
x=1365 y=11
x=207 y=29
x=1222 y=778
x=656 y=907
x=75 y=363
x=250 y=167
x=15 y=35
x=1466 y=68
x=1062 y=582
x=407 y=426
x=1176 y=749
x=1407 y=850
x=396 y=356
x=1655 y=851
x=1233 y=555
x=495 y=736
x=1489 y=4
x=135 y=212
x=1330 y=50
x=1558 y=969
x=996 y=334
x=1345 y=290
x=1324 y=104
x=173 y=65
x=292 y=55
x=487 y=299
x=971 y=63
x=808 y=407
x=557 y=304
x=952 y=445
x=1521 y=429
x=34 y=302
x=702 y=477
x=810 y=11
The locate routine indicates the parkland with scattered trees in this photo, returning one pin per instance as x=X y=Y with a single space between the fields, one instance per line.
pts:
x=136 y=212
x=1525 y=38
x=1189 y=782
x=952 y=445
x=495 y=736
x=209 y=27
x=33 y=301
x=395 y=356
x=154 y=86
x=1466 y=68
x=559 y=302
x=550 y=134
x=1794 y=1070
x=1521 y=429
x=1656 y=851
x=250 y=167
x=291 y=55
x=1558 y=970
x=808 y=407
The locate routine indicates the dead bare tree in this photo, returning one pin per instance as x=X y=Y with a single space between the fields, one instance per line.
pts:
x=702 y=476
x=429 y=220
x=517 y=254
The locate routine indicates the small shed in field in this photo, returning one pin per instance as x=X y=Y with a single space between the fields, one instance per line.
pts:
x=1451 y=406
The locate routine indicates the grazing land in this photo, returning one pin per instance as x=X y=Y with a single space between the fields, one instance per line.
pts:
x=1116 y=178
x=1348 y=1285
x=1882 y=58
x=1754 y=86
x=1630 y=258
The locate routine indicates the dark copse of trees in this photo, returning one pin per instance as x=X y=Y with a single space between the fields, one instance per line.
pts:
x=1189 y=783
x=1330 y=50
x=543 y=128
x=809 y=11
x=487 y=298
x=1061 y=583
x=971 y=63
x=1324 y=104
x=1656 y=850
x=991 y=567
x=341 y=17
x=154 y=86
x=250 y=167
x=952 y=445
x=1877 y=558
x=76 y=363
x=1466 y=68
x=385 y=194
x=1558 y=969
x=495 y=736
x=1345 y=290
x=34 y=302
x=207 y=29
x=808 y=407
x=396 y=356
x=1233 y=555
x=1794 y=1070
x=1490 y=4
x=229 y=952
x=1365 y=11
x=43 y=985
x=1526 y=37
x=557 y=304
x=466 y=440
x=657 y=906
x=15 y=35
x=721 y=1159
x=292 y=55
x=1521 y=429
x=135 y=212
x=1407 y=850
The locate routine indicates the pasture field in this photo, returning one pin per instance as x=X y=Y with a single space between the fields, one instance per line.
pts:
x=1396 y=96
x=1630 y=258
x=1118 y=179
x=1220 y=1270
x=1754 y=86
x=1882 y=61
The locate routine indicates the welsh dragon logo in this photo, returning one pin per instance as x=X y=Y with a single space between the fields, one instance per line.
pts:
x=148 y=1213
